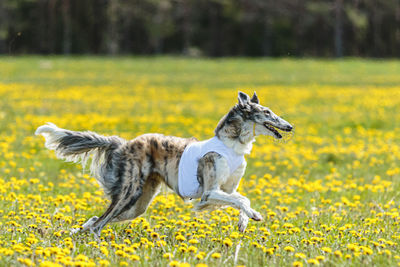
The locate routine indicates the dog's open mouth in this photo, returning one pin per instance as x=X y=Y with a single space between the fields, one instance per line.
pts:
x=274 y=129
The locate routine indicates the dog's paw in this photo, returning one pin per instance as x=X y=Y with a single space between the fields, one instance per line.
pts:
x=96 y=233
x=74 y=231
x=243 y=221
x=90 y=222
x=256 y=216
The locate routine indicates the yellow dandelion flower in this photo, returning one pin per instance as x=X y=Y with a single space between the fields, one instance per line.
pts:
x=338 y=253
x=193 y=241
x=269 y=251
x=297 y=264
x=234 y=235
x=326 y=249
x=199 y=256
x=120 y=253
x=168 y=256
x=289 y=249
x=367 y=251
x=174 y=263
x=26 y=261
x=182 y=249
x=104 y=263
x=134 y=257
x=227 y=242
x=313 y=261
x=216 y=255
x=300 y=255
x=49 y=264
x=154 y=235
x=180 y=237
x=192 y=249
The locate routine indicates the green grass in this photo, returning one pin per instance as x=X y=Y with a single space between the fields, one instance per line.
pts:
x=334 y=185
x=201 y=73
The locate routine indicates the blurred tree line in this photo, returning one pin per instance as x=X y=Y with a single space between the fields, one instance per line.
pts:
x=202 y=27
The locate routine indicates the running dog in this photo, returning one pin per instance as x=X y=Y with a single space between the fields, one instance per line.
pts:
x=131 y=172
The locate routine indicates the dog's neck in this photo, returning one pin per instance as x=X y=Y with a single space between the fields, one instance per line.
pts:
x=242 y=143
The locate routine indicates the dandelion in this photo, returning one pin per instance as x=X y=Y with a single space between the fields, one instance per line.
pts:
x=168 y=255
x=154 y=235
x=26 y=261
x=216 y=255
x=326 y=249
x=120 y=253
x=134 y=257
x=192 y=249
x=104 y=263
x=313 y=261
x=193 y=241
x=289 y=249
x=182 y=249
x=174 y=263
x=227 y=242
x=180 y=238
x=338 y=253
x=300 y=255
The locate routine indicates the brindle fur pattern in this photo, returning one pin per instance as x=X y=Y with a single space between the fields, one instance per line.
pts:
x=131 y=172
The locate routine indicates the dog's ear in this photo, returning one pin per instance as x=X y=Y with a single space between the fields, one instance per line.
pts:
x=254 y=98
x=244 y=99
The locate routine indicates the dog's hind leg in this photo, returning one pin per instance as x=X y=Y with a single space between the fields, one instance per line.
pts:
x=150 y=189
x=86 y=225
x=131 y=190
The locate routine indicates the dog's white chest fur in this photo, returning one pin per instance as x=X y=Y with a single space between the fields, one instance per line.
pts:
x=188 y=183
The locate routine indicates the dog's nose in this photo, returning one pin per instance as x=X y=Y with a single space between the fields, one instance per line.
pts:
x=289 y=128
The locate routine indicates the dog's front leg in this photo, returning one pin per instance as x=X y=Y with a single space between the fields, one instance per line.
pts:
x=214 y=171
x=246 y=201
x=218 y=197
x=243 y=221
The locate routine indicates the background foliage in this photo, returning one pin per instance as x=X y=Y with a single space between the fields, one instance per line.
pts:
x=202 y=27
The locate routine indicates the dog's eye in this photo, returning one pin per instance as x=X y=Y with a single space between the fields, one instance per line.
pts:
x=267 y=112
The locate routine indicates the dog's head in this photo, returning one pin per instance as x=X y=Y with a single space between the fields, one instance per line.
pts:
x=265 y=121
x=248 y=119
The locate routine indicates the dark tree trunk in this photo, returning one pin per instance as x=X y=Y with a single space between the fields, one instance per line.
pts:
x=113 y=36
x=266 y=42
x=3 y=28
x=51 y=36
x=66 y=14
x=215 y=34
x=397 y=32
x=338 y=28
x=186 y=27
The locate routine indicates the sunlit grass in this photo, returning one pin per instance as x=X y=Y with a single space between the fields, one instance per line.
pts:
x=329 y=195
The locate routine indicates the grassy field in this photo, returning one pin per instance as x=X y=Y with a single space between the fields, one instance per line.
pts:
x=329 y=196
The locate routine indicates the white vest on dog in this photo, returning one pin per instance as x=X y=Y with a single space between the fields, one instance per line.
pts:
x=188 y=184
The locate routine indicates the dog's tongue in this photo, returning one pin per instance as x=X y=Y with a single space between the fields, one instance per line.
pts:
x=275 y=131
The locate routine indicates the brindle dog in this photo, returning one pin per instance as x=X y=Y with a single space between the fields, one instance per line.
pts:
x=131 y=172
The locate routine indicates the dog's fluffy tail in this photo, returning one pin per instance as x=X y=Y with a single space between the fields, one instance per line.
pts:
x=79 y=146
